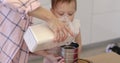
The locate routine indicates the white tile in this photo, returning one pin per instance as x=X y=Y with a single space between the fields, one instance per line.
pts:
x=103 y=6
x=105 y=26
x=44 y=2
x=84 y=8
x=84 y=14
x=85 y=30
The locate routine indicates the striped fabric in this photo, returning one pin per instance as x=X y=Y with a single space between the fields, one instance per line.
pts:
x=13 y=23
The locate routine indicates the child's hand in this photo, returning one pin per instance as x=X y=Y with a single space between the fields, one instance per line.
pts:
x=61 y=61
x=54 y=59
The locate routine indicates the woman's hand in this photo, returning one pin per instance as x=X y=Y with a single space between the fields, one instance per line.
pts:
x=60 y=29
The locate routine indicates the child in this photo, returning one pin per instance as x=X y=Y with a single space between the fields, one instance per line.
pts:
x=65 y=11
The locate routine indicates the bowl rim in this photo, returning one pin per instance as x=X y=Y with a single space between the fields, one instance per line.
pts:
x=86 y=60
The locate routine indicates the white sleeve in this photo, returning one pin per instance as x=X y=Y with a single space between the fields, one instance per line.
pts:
x=21 y=5
x=76 y=24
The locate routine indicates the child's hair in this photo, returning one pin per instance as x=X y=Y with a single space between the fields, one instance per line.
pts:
x=55 y=2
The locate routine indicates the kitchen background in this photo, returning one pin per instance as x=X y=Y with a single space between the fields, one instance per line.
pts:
x=100 y=25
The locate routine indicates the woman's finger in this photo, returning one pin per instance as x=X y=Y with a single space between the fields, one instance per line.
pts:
x=60 y=34
x=61 y=31
x=64 y=35
x=69 y=31
x=56 y=36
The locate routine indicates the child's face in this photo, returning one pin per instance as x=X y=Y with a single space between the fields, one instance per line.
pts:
x=64 y=10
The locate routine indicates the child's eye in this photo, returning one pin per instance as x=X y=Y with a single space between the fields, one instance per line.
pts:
x=70 y=14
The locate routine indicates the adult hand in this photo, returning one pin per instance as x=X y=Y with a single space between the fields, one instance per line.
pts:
x=60 y=29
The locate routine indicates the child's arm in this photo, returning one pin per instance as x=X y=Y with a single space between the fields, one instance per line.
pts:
x=79 y=41
x=43 y=53
x=49 y=56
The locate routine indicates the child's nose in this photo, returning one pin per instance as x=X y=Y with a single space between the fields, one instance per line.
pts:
x=66 y=15
x=66 y=18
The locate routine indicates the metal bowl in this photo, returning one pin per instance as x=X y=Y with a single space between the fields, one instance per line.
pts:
x=84 y=61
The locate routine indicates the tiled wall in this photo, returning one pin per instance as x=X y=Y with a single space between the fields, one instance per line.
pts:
x=84 y=14
x=105 y=20
x=100 y=19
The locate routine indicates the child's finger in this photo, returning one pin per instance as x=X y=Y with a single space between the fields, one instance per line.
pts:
x=61 y=61
x=58 y=58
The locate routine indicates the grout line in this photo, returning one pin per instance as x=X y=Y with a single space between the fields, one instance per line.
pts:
x=91 y=24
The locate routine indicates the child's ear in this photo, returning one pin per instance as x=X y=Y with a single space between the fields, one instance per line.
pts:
x=51 y=10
